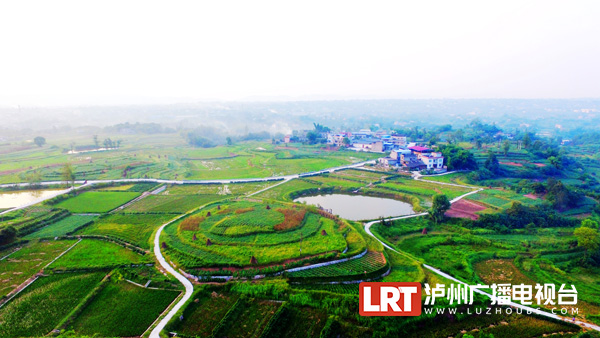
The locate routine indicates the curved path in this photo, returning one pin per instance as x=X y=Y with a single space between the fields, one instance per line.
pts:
x=189 y=288
x=445 y=275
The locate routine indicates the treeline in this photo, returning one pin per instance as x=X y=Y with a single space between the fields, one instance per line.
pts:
x=519 y=216
x=206 y=137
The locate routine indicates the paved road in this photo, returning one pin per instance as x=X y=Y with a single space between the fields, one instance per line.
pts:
x=189 y=288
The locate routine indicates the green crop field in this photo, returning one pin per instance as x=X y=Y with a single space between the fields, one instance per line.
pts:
x=251 y=319
x=170 y=203
x=40 y=308
x=25 y=262
x=204 y=313
x=136 y=229
x=501 y=199
x=62 y=227
x=93 y=253
x=97 y=201
x=122 y=309
x=363 y=266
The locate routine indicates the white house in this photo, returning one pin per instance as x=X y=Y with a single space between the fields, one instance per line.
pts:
x=433 y=160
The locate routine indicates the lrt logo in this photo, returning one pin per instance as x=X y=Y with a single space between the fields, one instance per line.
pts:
x=390 y=299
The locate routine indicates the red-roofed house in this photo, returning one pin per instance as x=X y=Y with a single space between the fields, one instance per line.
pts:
x=419 y=151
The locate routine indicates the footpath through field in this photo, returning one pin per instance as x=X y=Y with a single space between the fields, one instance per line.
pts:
x=189 y=288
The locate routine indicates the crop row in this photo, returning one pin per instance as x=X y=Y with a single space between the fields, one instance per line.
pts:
x=363 y=266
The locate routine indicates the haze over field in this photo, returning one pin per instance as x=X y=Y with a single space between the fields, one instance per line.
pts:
x=69 y=53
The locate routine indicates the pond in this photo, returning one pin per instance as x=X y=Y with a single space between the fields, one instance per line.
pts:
x=12 y=199
x=357 y=207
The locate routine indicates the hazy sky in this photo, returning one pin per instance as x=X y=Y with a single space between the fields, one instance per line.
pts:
x=107 y=52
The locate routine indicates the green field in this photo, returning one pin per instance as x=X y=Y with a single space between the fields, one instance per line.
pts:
x=360 y=267
x=136 y=229
x=93 y=253
x=40 y=308
x=170 y=203
x=250 y=320
x=30 y=259
x=97 y=201
x=502 y=199
x=122 y=309
x=168 y=157
x=204 y=313
x=62 y=227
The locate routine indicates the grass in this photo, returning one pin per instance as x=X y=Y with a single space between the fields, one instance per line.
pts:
x=97 y=201
x=39 y=308
x=136 y=229
x=92 y=253
x=26 y=262
x=122 y=309
x=62 y=227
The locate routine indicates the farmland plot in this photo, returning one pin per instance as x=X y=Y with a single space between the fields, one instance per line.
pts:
x=132 y=228
x=40 y=308
x=94 y=253
x=62 y=227
x=97 y=201
x=122 y=309
x=24 y=263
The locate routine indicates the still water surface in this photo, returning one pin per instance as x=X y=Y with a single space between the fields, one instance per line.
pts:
x=12 y=199
x=356 y=207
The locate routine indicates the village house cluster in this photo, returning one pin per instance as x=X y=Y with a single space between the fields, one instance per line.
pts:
x=403 y=155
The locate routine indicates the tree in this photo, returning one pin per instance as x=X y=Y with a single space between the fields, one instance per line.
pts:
x=441 y=204
x=478 y=143
x=588 y=239
x=39 y=141
x=96 y=142
x=526 y=140
x=555 y=161
x=7 y=235
x=229 y=140
x=432 y=141
x=457 y=158
x=312 y=137
x=506 y=147
x=68 y=175
x=33 y=178
x=347 y=141
x=589 y=223
x=491 y=163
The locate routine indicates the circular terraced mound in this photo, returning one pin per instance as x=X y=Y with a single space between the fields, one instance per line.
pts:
x=247 y=233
